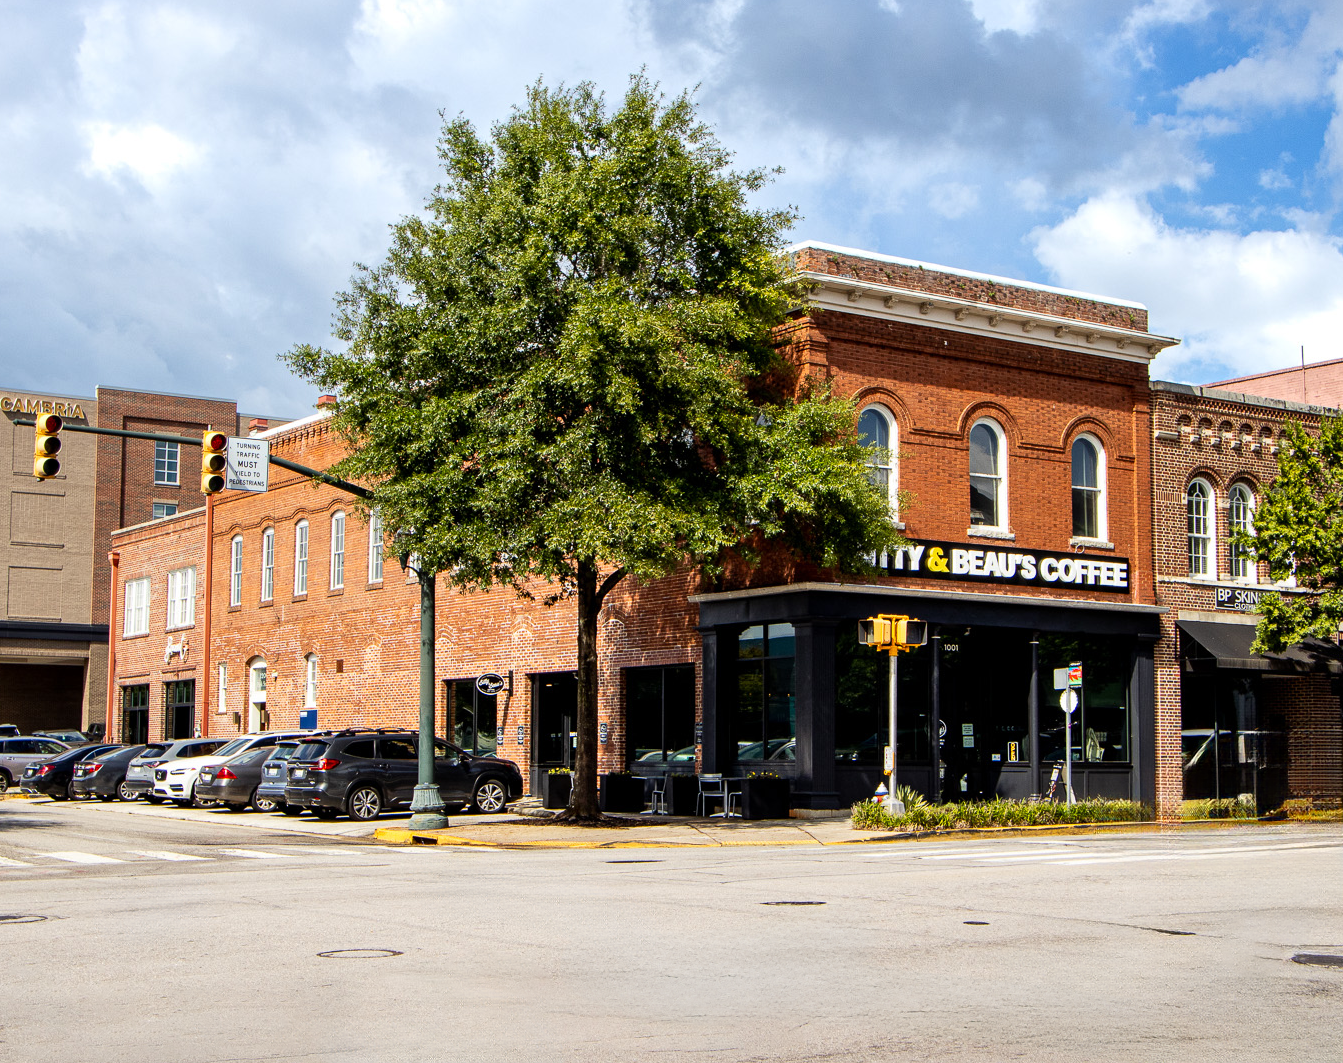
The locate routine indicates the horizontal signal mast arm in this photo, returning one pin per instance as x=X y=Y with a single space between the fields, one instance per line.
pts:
x=195 y=441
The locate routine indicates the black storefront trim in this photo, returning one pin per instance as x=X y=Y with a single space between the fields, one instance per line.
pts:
x=1227 y=646
x=815 y=610
x=37 y=629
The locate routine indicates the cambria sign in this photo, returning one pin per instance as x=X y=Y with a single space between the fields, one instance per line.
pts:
x=967 y=562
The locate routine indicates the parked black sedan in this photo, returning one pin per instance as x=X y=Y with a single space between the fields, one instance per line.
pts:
x=234 y=783
x=104 y=776
x=55 y=777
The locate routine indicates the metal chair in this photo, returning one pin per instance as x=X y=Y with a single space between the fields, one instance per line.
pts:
x=733 y=797
x=658 y=804
x=712 y=791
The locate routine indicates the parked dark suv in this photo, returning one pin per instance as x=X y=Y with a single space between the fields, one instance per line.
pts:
x=363 y=773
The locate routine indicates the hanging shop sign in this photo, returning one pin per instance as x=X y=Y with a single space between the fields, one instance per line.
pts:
x=969 y=563
x=490 y=683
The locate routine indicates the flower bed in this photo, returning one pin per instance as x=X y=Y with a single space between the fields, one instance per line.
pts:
x=868 y=815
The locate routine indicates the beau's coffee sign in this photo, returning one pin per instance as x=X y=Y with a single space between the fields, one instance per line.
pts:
x=969 y=563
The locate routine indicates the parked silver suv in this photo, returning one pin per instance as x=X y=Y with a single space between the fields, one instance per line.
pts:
x=17 y=753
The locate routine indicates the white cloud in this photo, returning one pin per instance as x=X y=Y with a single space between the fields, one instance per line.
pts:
x=1157 y=13
x=149 y=152
x=1016 y=16
x=1243 y=303
x=953 y=199
x=1273 y=180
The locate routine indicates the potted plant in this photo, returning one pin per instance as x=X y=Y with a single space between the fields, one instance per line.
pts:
x=558 y=785
x=621 y=792
x=764 y=796
x=682 y=791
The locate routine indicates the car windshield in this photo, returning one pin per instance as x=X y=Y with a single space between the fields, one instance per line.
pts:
x=284 y=751
x=309 y=751
x=149 y=752
x=236 y=746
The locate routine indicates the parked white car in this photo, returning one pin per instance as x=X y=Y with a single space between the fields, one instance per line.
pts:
x=176 y=780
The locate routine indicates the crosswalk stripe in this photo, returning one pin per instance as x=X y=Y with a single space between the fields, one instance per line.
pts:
x=252 y=854
x=83 y=858
x=163 y=854
x=6 y=862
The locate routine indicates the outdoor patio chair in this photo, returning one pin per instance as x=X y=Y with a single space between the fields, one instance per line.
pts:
x=712 y=791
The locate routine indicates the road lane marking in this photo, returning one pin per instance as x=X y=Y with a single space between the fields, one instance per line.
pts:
x=1012 y=855
x=164 y=854
x=83 y=858
x=6 y=862
x=252 y=854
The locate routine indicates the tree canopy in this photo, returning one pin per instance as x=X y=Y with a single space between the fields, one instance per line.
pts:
x=567 y=368
x=1298 y=531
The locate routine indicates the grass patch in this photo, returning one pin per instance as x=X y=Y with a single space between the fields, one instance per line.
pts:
x=1241 y=807
x=868 y=815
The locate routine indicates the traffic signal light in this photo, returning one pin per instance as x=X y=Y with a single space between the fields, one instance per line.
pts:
x=213 y=462
x=46 y=445
x=892 y=633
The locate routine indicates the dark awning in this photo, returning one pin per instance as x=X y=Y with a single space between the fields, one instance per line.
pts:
x=1228 y=646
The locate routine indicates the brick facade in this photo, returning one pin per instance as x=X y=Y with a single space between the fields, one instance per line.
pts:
x=1226 y=439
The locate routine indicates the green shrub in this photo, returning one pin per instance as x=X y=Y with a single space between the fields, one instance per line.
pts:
x=1000 y=812
x=1241 y=807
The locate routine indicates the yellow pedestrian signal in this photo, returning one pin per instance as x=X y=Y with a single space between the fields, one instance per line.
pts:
x=46 y=445
x=892 y=633
x=213 y=462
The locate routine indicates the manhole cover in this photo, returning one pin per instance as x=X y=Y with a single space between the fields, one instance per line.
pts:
x=634 y=861
x=1315 y=959
x=794 y=904
x=975 y=922
x=358 y=954
x=23 y=918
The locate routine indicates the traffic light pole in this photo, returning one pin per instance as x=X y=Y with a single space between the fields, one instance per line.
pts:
x=895 y=656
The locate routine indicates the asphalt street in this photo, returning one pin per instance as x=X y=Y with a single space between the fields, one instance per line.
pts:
x=129 y=937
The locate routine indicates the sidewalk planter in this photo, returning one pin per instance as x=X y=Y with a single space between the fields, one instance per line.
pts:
x=764 y=798
x=682 y=791
x=557 y=789
x=622 y=793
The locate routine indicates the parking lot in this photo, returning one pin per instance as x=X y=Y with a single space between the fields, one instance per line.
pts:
x=196 y=936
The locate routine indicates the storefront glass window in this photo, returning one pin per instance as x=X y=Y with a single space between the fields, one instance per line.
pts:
x=1100 y=724
x=862 y=702
x=984 y=704
x=472 y=717
x=660 y=716
x=766 y=717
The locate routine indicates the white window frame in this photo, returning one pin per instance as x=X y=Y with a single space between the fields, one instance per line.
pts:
x=337 y=550
x=182 y=598
x=135 y=620
x=235 y=572
x=891 y=465
x=222 y=706
x=268 y=565
x=375 y=547
x=1208 y=536
x=1003 y=522
x=171 y=462
x=310 y=681
x=161 y=510
x=1244 y=565
x=300 y=558
x=1101 y=488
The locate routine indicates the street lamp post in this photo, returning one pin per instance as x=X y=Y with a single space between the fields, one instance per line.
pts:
x=426 y=806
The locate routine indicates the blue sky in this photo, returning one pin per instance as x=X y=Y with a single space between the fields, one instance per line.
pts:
x=185 y=186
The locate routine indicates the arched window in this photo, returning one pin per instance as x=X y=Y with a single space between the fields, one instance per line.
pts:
x=337 y=550
x=1088 y=488
x=235 y=572
x=1242 y=520
x=268 y=564
x=1198 y=510
x=988 y=480
x=375 y=547
x=876 y=431
x=301 y=557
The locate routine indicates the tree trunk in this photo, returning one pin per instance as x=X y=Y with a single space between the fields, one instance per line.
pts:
x=585 y=805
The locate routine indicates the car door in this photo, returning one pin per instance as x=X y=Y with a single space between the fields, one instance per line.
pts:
x=454 y=782
x=399 y=763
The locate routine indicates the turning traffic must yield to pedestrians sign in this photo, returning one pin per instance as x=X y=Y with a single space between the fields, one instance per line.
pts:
x=248 y=464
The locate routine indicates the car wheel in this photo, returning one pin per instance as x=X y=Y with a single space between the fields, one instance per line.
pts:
x=4 y=781
x=292 y=810
x=365 y=803
x=325 y=813
x=491 y=796
x=262 y=804
x=125 y=792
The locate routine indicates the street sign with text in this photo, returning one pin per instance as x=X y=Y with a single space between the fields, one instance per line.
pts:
x=248 y=464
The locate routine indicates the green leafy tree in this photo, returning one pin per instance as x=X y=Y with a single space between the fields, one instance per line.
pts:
x=565 y=373
x=1298 y=530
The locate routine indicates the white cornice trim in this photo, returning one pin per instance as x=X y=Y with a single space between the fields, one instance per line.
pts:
x=972 y=317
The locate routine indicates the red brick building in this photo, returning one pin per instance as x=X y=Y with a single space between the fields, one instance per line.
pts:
x=1015 y=417
x=1268 y=726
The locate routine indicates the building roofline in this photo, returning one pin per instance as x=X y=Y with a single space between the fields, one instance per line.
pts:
x=1285 y=371
x=293 y=426
x=1011 y=282
x=167 y=395
x=158 y=520
x=1212 y=392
